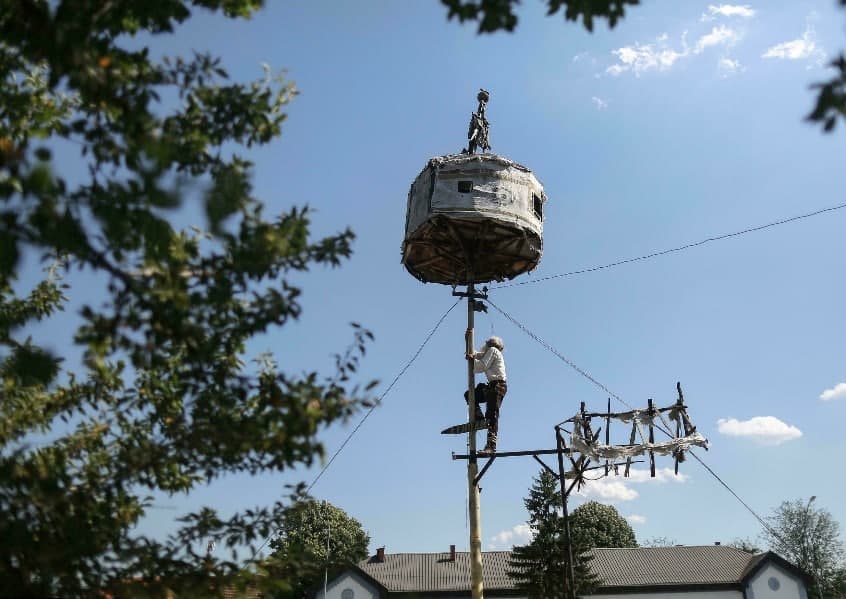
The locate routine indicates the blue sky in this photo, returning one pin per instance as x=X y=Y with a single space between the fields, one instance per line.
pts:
x=683 y=122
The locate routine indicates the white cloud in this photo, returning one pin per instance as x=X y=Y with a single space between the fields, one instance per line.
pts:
x=608 y=490
x=662 y=475
x=519 y=534
x=581 y=56
x=836 y=392
x=806 y=47
x=640 y=58
x=727 y=67
x=727 y=10
x=599 y=103
x=720 y=35
x=636 y=519
x=768 y=430
x=661 y=56
x=613 y=489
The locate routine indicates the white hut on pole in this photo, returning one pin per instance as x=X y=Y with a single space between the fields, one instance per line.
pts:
x=473 y=213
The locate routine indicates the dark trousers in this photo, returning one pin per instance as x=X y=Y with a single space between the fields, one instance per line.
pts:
x=491 y=394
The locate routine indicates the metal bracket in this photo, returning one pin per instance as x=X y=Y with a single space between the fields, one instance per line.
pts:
x=483 y=294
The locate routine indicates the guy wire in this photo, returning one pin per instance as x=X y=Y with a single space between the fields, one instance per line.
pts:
x=680 y=248
x=572 y=365
x=376 y=404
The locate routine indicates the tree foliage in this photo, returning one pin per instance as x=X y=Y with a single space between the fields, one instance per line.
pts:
x=496 y=15
x=659 y=542
x=810 y=538
x=598 y=525
x=315 y=535
x=539 y=567
x=166 y=397
x=747 y=545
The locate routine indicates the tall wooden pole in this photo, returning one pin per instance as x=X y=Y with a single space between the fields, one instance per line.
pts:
x=476 y=587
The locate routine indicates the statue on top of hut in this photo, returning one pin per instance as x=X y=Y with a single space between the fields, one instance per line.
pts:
x=478 y=133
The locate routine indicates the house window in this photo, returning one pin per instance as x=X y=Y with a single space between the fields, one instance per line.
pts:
x=537 y=204
x=773 y=583
x=465 y=186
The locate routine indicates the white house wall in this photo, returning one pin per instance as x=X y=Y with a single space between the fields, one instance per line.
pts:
x=786 y=585
x=361 y=589
x=675 y=595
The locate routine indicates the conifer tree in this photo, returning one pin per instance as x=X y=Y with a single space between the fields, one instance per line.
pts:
x=539 y=566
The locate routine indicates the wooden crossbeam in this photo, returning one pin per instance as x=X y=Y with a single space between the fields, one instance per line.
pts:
x=506 y=454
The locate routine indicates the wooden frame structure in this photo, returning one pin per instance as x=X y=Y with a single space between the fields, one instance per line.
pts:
x=585 y=450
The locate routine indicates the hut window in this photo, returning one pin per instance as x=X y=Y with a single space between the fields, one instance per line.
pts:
x=465 y=186
x=538 y=206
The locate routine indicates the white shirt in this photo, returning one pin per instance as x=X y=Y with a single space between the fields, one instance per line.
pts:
x=491 y=362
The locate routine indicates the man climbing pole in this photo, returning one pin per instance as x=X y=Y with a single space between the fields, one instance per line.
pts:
x=490 y=361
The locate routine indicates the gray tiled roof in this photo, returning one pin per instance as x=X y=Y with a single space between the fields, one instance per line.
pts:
x=683 y=565
x=647 y=567
x=436 y=572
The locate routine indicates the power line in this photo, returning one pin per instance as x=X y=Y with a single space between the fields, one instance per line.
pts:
x=376 y=404
x=675 y=249
x=381 y=397
x=582 y=372
x=736 y=496
x=558 y=354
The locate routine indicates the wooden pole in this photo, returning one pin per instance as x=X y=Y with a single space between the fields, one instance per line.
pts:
x=476 y=586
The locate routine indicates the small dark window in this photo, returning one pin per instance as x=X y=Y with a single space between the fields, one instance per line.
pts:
x=465 y=186
x=538 y=206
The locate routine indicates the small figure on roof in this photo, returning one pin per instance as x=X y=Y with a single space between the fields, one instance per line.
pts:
x=479 y=129
x=490 y=361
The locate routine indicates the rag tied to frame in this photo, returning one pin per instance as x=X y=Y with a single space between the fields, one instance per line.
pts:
x=584 y=442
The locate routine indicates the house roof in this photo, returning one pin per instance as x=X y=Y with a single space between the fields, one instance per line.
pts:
x=617 y=569
x=436 y=571
x=671 y=566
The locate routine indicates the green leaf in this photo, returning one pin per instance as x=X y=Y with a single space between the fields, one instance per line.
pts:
x=8 y=254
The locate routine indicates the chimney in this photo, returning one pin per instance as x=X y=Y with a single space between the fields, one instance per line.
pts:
x=452 y=553
x=716 y=542
x=380 y=555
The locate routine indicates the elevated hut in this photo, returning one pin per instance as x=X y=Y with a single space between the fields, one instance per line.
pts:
x=473 y=218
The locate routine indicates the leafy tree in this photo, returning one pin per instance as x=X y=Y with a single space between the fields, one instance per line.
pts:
x=538 y=567
x=659 y=542
x=597 y=525
x=166 y=397
x=300 y=549
x=747 y=545
x=495 y=15
x=810 y=538
x=831 y=100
